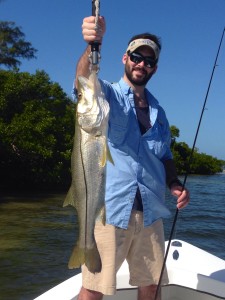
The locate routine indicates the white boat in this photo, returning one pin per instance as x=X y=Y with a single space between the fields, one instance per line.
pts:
x=194 y=274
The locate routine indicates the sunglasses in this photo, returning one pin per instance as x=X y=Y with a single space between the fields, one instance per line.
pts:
x=138 y=58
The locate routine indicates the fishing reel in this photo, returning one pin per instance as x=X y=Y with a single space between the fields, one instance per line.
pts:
x=94 y=57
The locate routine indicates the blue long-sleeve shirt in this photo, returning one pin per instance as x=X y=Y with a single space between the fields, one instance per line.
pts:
x=138 y=159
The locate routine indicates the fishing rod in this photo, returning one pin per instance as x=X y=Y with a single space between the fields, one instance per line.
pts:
x=188 y=166
x=95 y=54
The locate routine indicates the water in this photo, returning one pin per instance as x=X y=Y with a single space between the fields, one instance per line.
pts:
x=37 y=235
x=36 y=238
x=202 y=222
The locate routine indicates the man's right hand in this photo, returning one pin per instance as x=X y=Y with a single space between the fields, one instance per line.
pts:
x=89 y=31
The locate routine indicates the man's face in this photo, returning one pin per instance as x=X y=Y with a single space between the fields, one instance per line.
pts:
x=138 y=73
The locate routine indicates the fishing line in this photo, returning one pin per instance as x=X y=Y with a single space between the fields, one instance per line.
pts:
x=188 y=166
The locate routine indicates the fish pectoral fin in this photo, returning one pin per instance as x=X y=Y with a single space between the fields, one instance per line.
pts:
x=102 y=215
x=106 y=155
x=77 y=258
x=109 y=156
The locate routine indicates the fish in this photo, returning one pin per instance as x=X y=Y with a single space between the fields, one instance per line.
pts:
x=88 y=168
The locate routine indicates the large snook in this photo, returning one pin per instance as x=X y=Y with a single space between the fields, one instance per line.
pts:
x=88 y=167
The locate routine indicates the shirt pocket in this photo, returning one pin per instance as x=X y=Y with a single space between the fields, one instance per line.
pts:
x=117 y=133
x=156 y=141
x=118 y=125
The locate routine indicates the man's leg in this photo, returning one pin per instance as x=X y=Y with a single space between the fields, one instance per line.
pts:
x=94 y=285
x=89 y=295
x=145 y=258
x=148 y=293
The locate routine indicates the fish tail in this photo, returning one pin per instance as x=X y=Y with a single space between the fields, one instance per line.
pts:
x=89 y=257
x=93 y=260
x=77 y=258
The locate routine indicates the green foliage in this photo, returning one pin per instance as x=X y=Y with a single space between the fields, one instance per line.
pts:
x=36 y=130
x=200 y=163
x=206 y=164
x=36 y=135
x=175 y=132
x=13 y=46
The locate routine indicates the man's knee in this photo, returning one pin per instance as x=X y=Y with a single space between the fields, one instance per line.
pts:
x=86 y=294
x=148 y=292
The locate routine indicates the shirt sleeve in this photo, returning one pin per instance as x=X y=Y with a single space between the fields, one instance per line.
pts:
x=166 y=134
x=106 y=88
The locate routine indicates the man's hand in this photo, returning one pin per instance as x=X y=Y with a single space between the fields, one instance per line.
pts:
x=89 y=30
x=183 y=197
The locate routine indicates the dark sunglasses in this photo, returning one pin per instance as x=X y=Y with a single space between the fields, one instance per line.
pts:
x=137 y=58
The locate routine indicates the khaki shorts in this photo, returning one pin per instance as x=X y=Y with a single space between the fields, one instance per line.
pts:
x=143 y=247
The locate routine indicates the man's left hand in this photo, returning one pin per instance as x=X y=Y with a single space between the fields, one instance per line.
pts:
x=183 y=196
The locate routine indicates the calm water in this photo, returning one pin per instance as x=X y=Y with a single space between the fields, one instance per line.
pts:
x=37 y=235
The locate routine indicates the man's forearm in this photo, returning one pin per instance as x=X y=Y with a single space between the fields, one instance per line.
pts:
x=171 y=173
x=83 y=65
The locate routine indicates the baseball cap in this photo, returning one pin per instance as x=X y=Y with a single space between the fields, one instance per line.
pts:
x=144 y=42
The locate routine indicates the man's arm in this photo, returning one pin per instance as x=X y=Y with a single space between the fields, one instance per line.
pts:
x=171 y=173
x=83 y=65
x=174 y=184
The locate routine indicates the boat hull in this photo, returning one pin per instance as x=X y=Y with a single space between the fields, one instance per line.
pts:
x=193 y=274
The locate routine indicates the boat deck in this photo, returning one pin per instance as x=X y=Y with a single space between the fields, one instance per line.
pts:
x=169 y=292
x=193 y=275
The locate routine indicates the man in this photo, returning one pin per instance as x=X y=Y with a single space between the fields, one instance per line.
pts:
x=139 y=142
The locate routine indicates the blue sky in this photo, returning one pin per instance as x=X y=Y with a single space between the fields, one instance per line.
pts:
x=190 y=31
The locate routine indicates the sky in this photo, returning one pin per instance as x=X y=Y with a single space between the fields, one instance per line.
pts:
x=190 y=31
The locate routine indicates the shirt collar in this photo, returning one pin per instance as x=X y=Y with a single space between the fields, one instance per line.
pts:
x=125 y=87
x=128 y=90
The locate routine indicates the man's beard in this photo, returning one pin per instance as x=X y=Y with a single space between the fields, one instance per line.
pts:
x=135 y=81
